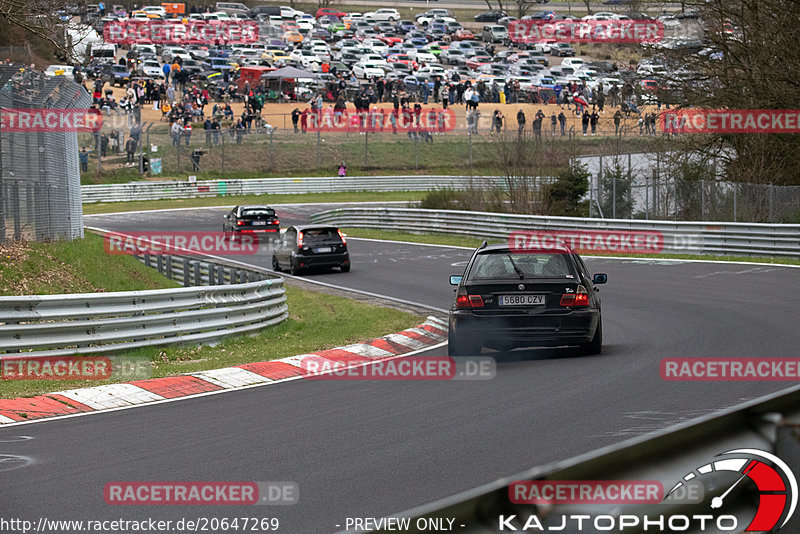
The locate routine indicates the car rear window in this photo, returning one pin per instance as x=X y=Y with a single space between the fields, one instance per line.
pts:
x=501 y=265
x=257 y=213
x=321 y=234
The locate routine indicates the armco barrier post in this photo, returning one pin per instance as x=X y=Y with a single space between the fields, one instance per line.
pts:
x=198 y=275
x=186 y=264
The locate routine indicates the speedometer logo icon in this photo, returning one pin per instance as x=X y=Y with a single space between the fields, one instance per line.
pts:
x=776 y=483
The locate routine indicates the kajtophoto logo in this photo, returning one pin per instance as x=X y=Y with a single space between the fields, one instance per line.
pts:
x=775 y=482
x=732 y=478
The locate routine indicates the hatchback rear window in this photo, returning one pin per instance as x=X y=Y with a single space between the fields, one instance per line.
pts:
x=258 y=213
x=321 y=234
x=501 y=265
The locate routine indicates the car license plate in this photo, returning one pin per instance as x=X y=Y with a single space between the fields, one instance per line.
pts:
x=323 y=249
x=521 y=300
x=259 y=223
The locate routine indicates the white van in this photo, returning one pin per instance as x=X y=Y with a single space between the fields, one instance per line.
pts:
x=103 y=53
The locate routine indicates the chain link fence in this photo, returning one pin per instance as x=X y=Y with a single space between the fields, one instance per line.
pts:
x=668 y=186
x=40 y=196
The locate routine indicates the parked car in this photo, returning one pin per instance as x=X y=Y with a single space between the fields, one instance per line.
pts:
x=323 y=11
x=509 y=299
x=493 y=15
x=494 y=33
x=253 y=220
x=562 y=50
x=385 y=14
x=308 y=246
x=120 y=75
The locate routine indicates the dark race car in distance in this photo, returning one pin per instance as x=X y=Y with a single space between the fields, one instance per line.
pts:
x=258 y=220
x=513 y=299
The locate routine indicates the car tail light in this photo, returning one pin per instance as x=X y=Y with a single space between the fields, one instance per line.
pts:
x=579 y=298
x=463 y=300
x=240 y=223
x=341 y=235
x=299 y=239
x=277 y=221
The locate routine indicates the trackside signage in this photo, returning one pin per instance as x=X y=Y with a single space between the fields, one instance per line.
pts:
x=50 y=120
x=155 y=243
x=180 y=33
x=201 y=493
x=730 y=369
x=593 y=241
x=718 y=121
x=586 y=31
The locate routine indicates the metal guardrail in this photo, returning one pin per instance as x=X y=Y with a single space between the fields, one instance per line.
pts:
x=239 y=301
x=258 y=186
x=769 y=424
x=742 y=239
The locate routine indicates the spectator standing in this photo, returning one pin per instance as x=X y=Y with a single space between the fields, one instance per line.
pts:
x=130 y=148
x=520 y=122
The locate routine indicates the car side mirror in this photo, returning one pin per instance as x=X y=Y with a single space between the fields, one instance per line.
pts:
x=455 y=279
x=600 y=278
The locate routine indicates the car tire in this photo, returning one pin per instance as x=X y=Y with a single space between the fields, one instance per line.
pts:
x=345 y=267
x=595 y=346
x=276 y=266
x=293 y=268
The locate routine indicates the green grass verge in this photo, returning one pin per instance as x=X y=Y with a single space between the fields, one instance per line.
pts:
x=360 y=196
x=79 y=266
x=316 y=322
x=472 y=242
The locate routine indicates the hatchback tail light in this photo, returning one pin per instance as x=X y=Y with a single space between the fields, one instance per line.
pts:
x=299 y=239
x=341 y=236
x=579 y=298
x=240 y=223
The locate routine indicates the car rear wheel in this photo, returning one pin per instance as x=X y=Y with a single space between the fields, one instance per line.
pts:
x=345 y=267
x=595 y=346
x=293 y=268
x=275 y=265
